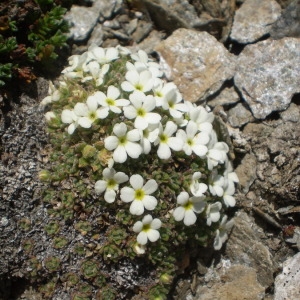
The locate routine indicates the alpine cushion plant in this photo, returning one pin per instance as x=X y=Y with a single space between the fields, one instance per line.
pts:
x=154 y=159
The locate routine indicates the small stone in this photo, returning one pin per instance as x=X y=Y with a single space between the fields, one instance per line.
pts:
x=246 y=172
x=268 y=75
x=82 y=21
x=227 y=96
x=113 y=24
x=96 y=36
x=292 y=114
x=254 y=19
x=288 y=24
x=143 y=29
x=131 y=26
x=239 y=116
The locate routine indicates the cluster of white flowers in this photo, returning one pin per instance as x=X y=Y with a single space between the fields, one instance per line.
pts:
x=154 y=118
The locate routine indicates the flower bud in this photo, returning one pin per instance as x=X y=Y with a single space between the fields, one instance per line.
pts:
x=44 y=175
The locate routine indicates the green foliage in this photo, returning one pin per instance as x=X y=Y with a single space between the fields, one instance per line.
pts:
x=108 y=236
x=31 y=42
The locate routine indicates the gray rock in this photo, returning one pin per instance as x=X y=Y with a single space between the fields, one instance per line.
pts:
x=287 y=283
x=151 y=41
x=232 y=282
x=292 y=114
x=239 y=115
x=268 y=75
x=172 y=14
x=198 y=63
x=82 y=20
x=142 y=31
x=244 y=247
x=254 y=19
x=108 y=8
x=226 y=96
x=246 y=172
x=288 y=25
x=97 y=36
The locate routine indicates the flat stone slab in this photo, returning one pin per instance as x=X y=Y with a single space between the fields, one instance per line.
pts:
x=254 y=19
x=196 y=62
x=268 y=75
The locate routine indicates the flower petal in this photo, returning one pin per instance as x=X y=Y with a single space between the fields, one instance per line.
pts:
x=163 y=151
x=153 y=235
x=142 y=238
x=110 y=196
x=156 y=224
x=121 y=177
x=120 y=154
x=189 y=218
x=134 y=150
x=136 y=208
x=84 y=122
x=136 y=181
x=127 y=194
x=137 y=227
x=111 y=142
x=150 y=187
x=178 y=213
x=100 y=186
x=149 y=202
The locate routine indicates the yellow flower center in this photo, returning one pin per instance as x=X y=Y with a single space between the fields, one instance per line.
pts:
x=146 y=227
x=188 y=206
x=139 y=194
x=163 y=138
x=111 y=183
x=122 y=140
x=141 y=112
x=110 y=102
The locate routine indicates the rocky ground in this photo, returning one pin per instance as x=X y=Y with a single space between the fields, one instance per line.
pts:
x=241 y=58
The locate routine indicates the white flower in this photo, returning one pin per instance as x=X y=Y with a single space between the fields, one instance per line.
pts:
x=89 y=112
x=188 y=207
x=76 y=65
x=139 y=195
x=193 y=142
x=123 y=143
x=137 y=81
x=139 y=249
x=213 y=212
x=147 y=230
x=140 y=109
x=69 y=117
x=160 y=89
x=110 y=184
x=142 y=62
x=97 y=72
x=216 y=183
x=197 y=188
x=148 y=136
x=167 y=141
x=229 y=190
x=101 y=55
x=49 y=116
x=217 y=155
x=172 y=101
x=53 y=95
x=222 y=233
x=110 y=101
x=202 y=118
